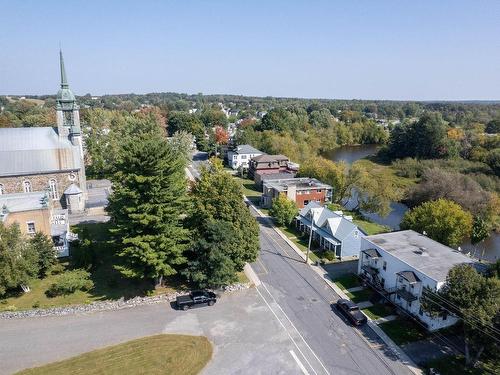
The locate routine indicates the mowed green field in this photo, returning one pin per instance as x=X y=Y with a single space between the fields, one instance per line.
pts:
x=160 y=354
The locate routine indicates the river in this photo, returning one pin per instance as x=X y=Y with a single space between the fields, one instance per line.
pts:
x=488 y=250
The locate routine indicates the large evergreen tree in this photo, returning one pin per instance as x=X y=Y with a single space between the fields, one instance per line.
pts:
x=148 y=204
x=228 y=234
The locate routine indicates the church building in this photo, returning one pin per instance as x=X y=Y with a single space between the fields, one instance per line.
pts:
x=47 y=159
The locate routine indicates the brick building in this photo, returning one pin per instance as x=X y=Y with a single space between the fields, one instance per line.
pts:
x=300 y=190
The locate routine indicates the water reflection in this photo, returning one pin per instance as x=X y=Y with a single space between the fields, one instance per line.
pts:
x=488 y=249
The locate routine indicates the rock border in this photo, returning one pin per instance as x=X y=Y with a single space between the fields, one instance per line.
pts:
x=109 y=305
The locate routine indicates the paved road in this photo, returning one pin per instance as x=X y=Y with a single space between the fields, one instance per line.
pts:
x=199 y=158
x=246 y=338
x=301 y=301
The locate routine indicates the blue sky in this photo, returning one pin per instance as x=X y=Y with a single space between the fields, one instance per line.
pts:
x=352 y=49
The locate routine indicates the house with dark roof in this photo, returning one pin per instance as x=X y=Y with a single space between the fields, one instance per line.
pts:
x=39 y=159
x=266 y=164
x=401 y=265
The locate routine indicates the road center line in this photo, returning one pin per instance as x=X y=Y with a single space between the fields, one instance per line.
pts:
x=288 y=333
x=305 y=342
x=299 y=363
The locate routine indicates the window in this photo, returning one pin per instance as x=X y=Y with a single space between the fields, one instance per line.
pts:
x=445 y=315
x=420 y=311
x=385 y=265
x=382 y=282
x=318 y=190
x=356 y=234
x=31 y=227
x=53 y=189
x=1 y=189
x=409 y=304
x=306 y=203
x=27 y=186
x=72 y=177
x=243 y=156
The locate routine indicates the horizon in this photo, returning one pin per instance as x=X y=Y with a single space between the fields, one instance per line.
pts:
x=330 y=51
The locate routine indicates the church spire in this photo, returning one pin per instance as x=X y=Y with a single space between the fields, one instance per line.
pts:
x=64 y=82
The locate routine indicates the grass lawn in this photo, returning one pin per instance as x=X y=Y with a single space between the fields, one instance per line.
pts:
x=367 y=226
x=347 y=281
x=299 y=240
x=360 y=295
x=249 y=188
x=161 y=354
x=108 y=282
x=378 y=311
x=373 y=166
x=403 y=331
x=452 y=365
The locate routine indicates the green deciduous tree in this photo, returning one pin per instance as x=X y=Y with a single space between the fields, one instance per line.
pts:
x=480 y=230
x=476 y=300
x=218 y=202
x=283 y=210
x=148 y=203
x=18 y=259
x=442 y=220
x=493 y=160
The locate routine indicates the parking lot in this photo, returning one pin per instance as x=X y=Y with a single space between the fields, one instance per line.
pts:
x=246 y=336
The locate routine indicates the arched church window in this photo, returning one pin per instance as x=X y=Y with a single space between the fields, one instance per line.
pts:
x=2 y=191
x=53 y=189
x=27 y=186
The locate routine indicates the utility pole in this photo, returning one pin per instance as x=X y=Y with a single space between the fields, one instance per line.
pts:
x=310 y=236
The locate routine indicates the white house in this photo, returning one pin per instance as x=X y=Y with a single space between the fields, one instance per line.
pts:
x=241 y=155
x=331 y=229
x=401 y=264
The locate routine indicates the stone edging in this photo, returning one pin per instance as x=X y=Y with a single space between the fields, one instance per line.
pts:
x=105 y=305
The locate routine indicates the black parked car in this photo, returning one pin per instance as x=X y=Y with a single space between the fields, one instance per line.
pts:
x=351 y=311
x=196 y=298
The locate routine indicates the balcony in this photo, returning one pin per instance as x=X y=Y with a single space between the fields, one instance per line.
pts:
x=371 y=270
x=406 y=295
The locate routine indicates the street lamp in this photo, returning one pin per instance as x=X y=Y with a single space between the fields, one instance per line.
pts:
x=310 y=236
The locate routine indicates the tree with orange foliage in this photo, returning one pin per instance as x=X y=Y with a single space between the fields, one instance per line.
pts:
x=221 y=135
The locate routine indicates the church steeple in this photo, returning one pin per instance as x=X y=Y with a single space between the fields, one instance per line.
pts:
x=64 y=81
x=68 y=117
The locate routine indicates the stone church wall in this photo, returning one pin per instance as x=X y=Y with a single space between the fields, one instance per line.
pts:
x=40 y=182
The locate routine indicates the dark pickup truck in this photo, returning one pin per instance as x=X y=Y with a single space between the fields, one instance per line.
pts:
x=196 y=298
x=351 y=312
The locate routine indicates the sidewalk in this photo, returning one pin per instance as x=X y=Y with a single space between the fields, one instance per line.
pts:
x=326 y=277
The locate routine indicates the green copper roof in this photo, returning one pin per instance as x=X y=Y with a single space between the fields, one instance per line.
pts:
x=64 y=93
x=64 y=81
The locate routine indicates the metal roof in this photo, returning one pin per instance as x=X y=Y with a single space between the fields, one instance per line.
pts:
x=336 y=225
x=246 y=149
x=409 y=276
x=24 y=201
x=420 y=252
x=72 y=189
x=25 y=151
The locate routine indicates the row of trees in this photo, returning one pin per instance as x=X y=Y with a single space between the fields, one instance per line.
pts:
x=205 y=233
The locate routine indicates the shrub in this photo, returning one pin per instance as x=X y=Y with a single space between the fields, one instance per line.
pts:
x=329 y=254
x=36 y=304
x=70 y=282
x=57 y=269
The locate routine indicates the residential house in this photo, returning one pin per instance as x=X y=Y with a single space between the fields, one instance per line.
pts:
x=266 y=164
x=300 y=190
x=331 y=230
x=240 y=156
x=35 y=212
x=400 y=265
